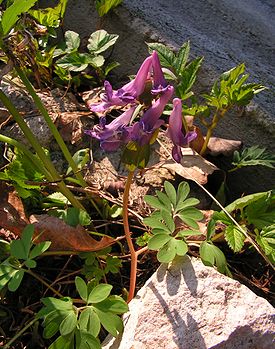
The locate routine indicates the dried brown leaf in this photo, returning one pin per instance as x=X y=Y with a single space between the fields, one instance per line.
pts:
x=70 y=125
x=64 y=237
x=12 y=213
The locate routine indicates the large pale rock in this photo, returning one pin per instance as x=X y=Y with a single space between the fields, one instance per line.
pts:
x=190 y=306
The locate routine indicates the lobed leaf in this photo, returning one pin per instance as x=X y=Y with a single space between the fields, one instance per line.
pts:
x=166 y=55
x=211 y=255
x=234 y=237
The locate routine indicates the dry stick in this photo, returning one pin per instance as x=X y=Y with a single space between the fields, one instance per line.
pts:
x=227 y=213
x=18 y=334
x=43 y=282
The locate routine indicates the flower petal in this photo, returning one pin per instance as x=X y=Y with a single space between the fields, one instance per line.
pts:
x=159 y=83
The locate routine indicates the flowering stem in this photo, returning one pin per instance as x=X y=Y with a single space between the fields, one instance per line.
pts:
x=133 y=254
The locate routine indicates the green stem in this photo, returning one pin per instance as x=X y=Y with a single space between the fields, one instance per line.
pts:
x=18 y=334
x=37 y=277
x=51 y=125
x=39 y=150
x=218 y=115
x=55 y=132
x=133 y=254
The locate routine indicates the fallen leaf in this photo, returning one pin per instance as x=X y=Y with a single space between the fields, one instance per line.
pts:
x=226 y=147
x=70 y=125
x=64 y=237
x=193 y=166
x=12 y=213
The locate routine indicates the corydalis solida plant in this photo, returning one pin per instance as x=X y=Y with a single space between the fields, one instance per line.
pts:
x=138 y=136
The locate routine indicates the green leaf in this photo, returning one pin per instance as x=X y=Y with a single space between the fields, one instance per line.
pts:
x=171 y=192
x=182 y=57
x=266 y=240
x=158 y=241
x=72 y=40
x=39 y=249
x=253 y=156
x=187 y=203
x=16 y=280
x=187 y=232
x=100 y=41
x=112 y=323
x=168 y=220
x=52 y=326
x=104 y=6
x=114 y=304
x=81 y=288
x=261 y=213
x=234 y=237
x=110 y=67
x=168 y=252
x=154 y=202
x=211 y=228
x=89 y=321
x=211 y=255
x=21 y=248
x=113 y=264
x=155 y=223
x=245 y=200
x=188 y=77
x=75 y=216
x=68 y=324
x=64 y=304
x=182 y=193
x=50 y=17
x=166 y=55
x=62 y=343
x=190 y=216
x=73 y=62
x=81 y=157
x=88 y=341
x=99 y=293
x=12 y=13
x=181 y=247
x=29 y=263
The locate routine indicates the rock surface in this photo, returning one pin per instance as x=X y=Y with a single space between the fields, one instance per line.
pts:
x=189 y=306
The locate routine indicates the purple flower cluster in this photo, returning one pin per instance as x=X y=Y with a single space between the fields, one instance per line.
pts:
x=119 y=131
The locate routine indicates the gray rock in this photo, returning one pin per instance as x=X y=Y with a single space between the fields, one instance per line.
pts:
x=191 y=306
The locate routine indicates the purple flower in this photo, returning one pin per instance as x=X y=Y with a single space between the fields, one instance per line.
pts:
x=159 y=83
x=143 y=130
x=175 y=131
x=126 y=94
x=113 y=135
